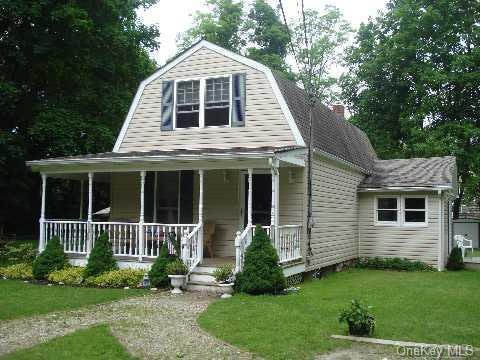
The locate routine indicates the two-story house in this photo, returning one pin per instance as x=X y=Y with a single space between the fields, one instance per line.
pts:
x=215 y=143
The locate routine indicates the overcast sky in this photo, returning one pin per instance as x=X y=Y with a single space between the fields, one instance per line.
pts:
x=175 y=16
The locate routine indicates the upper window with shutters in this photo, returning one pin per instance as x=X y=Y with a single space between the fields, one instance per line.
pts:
x=203 y=102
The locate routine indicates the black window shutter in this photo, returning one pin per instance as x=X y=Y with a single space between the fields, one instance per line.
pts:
x=167 y=105
x=238 y=99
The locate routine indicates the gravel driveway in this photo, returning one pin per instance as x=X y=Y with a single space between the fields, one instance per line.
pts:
x=157 y=326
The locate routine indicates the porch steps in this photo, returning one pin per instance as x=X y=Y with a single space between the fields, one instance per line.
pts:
x=202 y=280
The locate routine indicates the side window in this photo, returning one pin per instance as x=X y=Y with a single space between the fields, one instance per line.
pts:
x=415 y=211
x=387 y=210
x=217 y=101
x=188 y=104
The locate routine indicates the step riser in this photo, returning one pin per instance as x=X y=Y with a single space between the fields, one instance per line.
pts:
x=202 y=277
x=205 y=269
x=210 y=289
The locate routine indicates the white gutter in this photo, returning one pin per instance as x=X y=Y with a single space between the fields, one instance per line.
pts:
x=406 y=188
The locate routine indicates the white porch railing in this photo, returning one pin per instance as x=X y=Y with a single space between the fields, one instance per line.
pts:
x=72 y=234
x=192 y=247
x=287 y=244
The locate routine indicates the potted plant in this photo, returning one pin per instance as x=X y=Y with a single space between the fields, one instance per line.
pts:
x=177 y=272
x=224 y=277
x=360 y=320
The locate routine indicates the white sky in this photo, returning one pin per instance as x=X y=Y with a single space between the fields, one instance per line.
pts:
x=175 y=16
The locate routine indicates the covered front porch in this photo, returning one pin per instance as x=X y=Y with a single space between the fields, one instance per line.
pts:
x=209 y=204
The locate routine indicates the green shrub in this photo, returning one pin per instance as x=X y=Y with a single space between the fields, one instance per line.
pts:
x=17 y=271
x=261 y=273
x=117 y=278
x=51 y=259
x=158 y=273
x=101 y=257
x=398 y=264
x=455 y=260
x=68 y=276
x=176 y=267
x=223 y=273
x=15 y=253
x=359 y=319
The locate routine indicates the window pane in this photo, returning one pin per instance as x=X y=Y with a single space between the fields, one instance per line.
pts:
x=387 y=215
x=414 y=203
x=188 y=92
x=217 y=116
x=217 y=102
x=415 y=216
x=189 y=119
x=218 y=90
x=387 y=203
x=188 y=104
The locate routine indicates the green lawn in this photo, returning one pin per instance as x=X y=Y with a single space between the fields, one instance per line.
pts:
x=18 y=299
x=424 y=307
x=92 y=343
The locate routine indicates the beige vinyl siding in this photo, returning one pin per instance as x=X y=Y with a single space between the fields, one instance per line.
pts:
x=335 y=212
x=415 y=243
x=124 y=196
x=292 y=209
x=265 y=122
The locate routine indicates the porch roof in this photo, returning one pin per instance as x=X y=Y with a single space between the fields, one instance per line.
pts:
x=214 y=158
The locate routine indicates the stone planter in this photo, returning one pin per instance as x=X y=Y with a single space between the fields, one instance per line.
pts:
x=177 y=281
x=226 y=290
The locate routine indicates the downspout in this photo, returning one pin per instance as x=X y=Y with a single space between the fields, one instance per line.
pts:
x=440 y=231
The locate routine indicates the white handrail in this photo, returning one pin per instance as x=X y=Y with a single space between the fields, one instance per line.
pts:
x=191 y=247
x=242 y=240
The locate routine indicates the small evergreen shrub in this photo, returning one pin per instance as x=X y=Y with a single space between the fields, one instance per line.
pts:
x=51 y=259
x=68 y=276
x=18 y=253
x=117 y=278
x=360 y=320
x=261 y=273
x=455 y=260
x=101 y=258
x=398 y=264
x=158 y=273
x=17 y=271
x=224 y=274
x=176 y=267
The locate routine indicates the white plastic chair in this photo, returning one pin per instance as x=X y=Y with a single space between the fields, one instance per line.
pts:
x=463 y=243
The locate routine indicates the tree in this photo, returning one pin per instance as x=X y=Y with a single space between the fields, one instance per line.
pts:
x=221 y=25
x=52 y=258
x=318 y=43
x=68 y=71
x=101 y=258
x=413 y=83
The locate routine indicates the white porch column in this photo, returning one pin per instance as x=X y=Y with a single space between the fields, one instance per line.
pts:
x=89 y=215
x=250 y=197
x=200 y=212
x=275 y=202
x=41 y=243
x=141 y=217
x=81 y=198
x=155 y=181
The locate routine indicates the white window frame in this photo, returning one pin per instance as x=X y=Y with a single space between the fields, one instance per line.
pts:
x=415 y=224
x=201 y=98
x=398 y=209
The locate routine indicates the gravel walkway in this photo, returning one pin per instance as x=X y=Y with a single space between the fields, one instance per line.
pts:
x=159 y=326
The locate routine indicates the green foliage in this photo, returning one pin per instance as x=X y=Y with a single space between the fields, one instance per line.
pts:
x=117 y=278
x=176 y=267
x=18 y=253
x=224 y=273
x=360 y=320
x=398 y=264
x=52 y=258
x=17 y=271
x=455 y=260
x=65 y=90
x=68 y=276
x=101 y=257
x=261 y=273
x=158 y=273
x=413 y=83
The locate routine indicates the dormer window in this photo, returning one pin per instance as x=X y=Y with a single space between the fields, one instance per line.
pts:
x=217 y=101
x=188 y=104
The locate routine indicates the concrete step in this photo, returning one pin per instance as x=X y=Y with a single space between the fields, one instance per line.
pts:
x=202 y=276
x=204 y=286
x=204 y=269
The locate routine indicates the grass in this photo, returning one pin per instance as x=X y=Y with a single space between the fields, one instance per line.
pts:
x=474 y=253
x=19 y=299
x=424 y=307
x=94 y=343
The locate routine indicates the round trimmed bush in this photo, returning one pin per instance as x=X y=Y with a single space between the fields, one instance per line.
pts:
x=51 y=259
x=101 y=258
x=261 y=273
x=158 y=273
x=455 y=260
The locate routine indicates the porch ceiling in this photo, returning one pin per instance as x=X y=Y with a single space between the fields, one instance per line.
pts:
x=239 y=158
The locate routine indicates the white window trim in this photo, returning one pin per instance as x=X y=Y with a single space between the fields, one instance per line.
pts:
x=400 y=211
x=201 y=109
x=415 y=224
x=375 y=211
